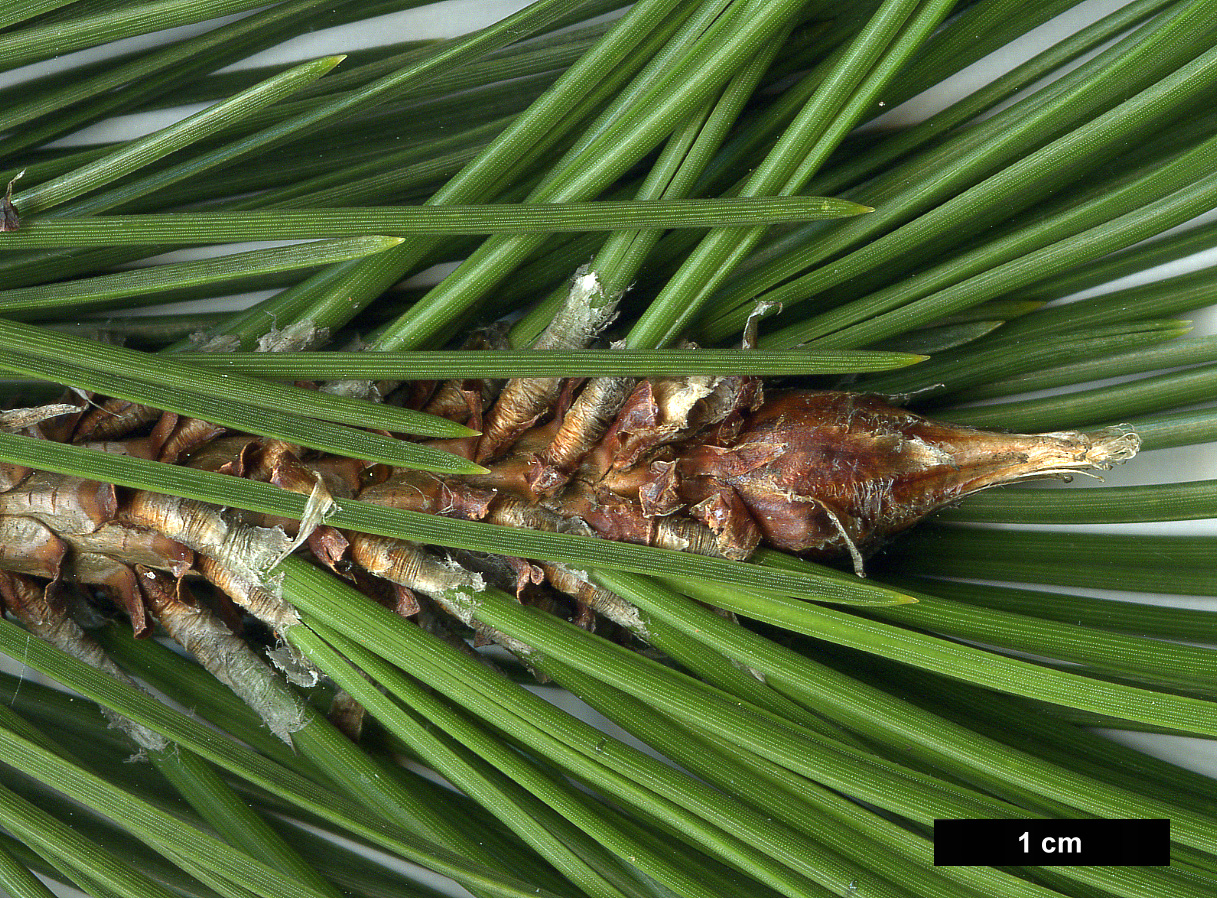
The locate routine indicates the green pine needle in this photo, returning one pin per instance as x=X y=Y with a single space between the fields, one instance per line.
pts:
x=291 y=224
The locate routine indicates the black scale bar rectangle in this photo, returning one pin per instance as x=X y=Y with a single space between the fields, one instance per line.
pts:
x=1058 y=843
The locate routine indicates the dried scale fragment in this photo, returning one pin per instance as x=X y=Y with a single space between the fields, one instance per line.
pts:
x=587 y=311
x=20 y=418
x=201 y=632
x=582 y=427
x=9 y=219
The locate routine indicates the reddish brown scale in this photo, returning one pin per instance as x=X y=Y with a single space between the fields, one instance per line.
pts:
x=116 y=580
x=405 y=602
x=339 y=477
x=134 y=447
x=160 y=432
x=42 y=611
x=343 y=477
x=329 y=546
x=670 y=409
x=28 y=546
x=347 y=716
x=227 y=455
x=162 y=592
x=133 y=545
x=527 y=575
x=17 y=592
x=12 y=475
x=65 y=504
x=279 y=463
x=61 y=429
x=648 y=420
x=456 y=400
x=429 y=494
x=459 y=400
x=114 y=419
x=268 y=459
x=226 y=610
x=186 y=436
x=622 y=518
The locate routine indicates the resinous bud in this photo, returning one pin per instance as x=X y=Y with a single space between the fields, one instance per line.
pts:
x=824 y=473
